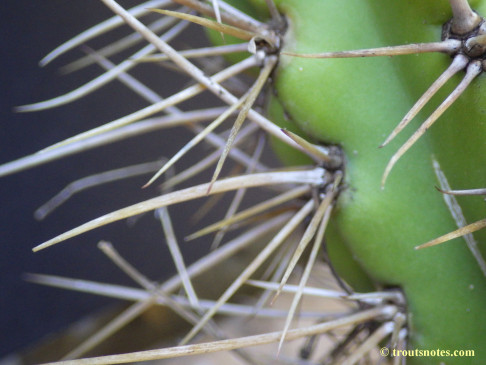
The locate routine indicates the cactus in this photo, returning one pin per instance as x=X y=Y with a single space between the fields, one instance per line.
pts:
x=377 y=208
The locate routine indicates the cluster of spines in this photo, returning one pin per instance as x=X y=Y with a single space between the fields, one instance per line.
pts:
x=306 y=184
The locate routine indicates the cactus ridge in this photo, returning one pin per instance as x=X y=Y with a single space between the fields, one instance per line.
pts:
x=303 y=199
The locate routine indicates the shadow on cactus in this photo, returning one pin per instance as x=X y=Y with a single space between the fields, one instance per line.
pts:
x=342 y=207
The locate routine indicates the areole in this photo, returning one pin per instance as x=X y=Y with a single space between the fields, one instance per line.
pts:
x=334 y=114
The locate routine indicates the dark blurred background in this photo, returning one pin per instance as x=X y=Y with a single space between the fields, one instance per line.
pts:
x=29 y=30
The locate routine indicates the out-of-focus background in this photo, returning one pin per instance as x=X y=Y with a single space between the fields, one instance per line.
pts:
x=29 y=30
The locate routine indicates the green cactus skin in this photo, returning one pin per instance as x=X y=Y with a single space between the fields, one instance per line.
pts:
x=356 y=103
